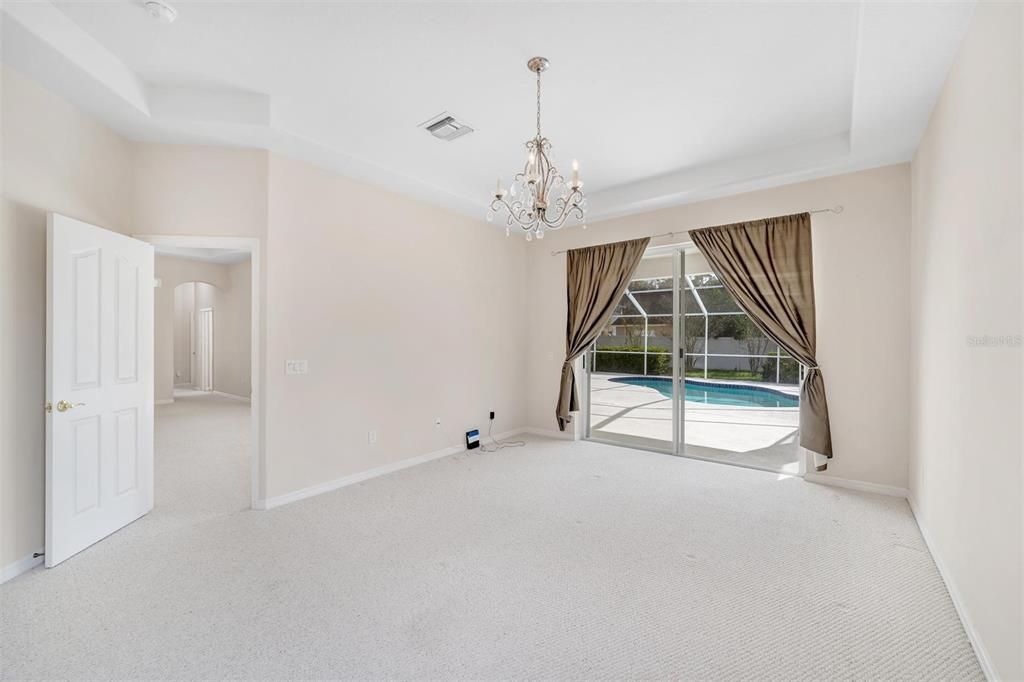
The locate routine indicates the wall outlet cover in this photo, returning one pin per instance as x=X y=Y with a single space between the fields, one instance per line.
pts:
x=296 y=366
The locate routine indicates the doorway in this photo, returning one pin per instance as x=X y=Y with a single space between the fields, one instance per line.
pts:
x=207 y=384
x=680 y=368
x=204 y=350
x=202 y=312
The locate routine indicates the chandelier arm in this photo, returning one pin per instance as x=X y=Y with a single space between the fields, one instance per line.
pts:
x=567 y=207
x=515 y=215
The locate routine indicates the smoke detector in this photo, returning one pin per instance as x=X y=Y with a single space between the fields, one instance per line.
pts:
x=161 y=11
x=445 y=126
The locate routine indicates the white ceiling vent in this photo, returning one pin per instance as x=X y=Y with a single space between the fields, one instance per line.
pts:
x=446 y=127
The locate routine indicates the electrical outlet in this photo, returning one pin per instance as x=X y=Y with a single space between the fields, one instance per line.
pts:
x=371 y=437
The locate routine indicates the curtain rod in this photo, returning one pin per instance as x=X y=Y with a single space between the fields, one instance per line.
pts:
x=834 y=209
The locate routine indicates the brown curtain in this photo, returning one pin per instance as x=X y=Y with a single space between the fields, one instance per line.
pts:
x=596 y=278
x=766 y=266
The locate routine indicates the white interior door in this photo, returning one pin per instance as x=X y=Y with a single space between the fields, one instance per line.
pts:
x=99 y=384
x=205 y=345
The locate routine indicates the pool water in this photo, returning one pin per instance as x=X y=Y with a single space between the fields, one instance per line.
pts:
x=736 y=395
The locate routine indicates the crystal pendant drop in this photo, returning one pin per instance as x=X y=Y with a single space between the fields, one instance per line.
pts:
x=490 y=216
x=529 y=237
x=540 y=233
x=508 y=231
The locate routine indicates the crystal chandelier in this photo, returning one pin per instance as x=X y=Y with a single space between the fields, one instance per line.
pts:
x=539 y=198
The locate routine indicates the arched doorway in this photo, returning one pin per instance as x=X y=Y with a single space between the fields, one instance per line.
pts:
x=195 y=352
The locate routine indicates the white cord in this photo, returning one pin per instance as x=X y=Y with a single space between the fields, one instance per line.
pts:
x=499 y=444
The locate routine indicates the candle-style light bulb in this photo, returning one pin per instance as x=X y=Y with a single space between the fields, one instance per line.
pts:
x=575 y=173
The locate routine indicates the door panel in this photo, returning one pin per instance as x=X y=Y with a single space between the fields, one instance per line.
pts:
x=126 y=445
x=99 y=384
x=85 y=329
x=127 y=323
x=86 y=458
x=631 y=368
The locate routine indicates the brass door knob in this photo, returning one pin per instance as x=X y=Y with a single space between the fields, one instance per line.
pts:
x=64 y=406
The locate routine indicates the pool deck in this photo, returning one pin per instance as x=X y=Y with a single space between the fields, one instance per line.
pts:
x=762 y=437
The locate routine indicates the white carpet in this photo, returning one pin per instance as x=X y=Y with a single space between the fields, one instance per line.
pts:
x=557 y=560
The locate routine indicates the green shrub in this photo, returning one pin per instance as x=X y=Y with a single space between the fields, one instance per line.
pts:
x=631 y=362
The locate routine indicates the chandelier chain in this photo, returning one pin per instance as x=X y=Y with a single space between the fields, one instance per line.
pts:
x=538 y=104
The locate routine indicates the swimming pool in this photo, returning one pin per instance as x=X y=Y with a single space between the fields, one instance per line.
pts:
x=736 y=395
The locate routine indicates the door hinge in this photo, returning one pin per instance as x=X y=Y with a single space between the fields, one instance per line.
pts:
x=48 y=407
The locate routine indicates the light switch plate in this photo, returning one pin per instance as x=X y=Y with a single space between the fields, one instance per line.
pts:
x=296 y=366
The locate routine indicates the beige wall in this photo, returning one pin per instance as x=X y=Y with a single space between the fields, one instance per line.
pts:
x=184 y=302
x=860 y=281
x=232 y=325
x=966 y=280
x=53 y=158
x=405 y=313
x=197 y=190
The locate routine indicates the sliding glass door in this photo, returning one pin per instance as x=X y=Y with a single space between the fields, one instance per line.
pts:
x=681 y=369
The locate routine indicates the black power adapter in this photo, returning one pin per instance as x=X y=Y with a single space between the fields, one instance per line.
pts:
x=492 y=415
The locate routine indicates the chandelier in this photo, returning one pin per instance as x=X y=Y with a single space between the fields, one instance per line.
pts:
x=539 y=198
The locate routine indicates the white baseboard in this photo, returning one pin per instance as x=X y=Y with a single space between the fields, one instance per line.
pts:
x=328 y=486
x=852 y=484
x=954 y=594
x=163 y=401
x=240 y=398
x=13 y=570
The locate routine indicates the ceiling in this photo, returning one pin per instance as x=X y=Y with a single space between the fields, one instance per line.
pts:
x=219 y=256
x=661 y=103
